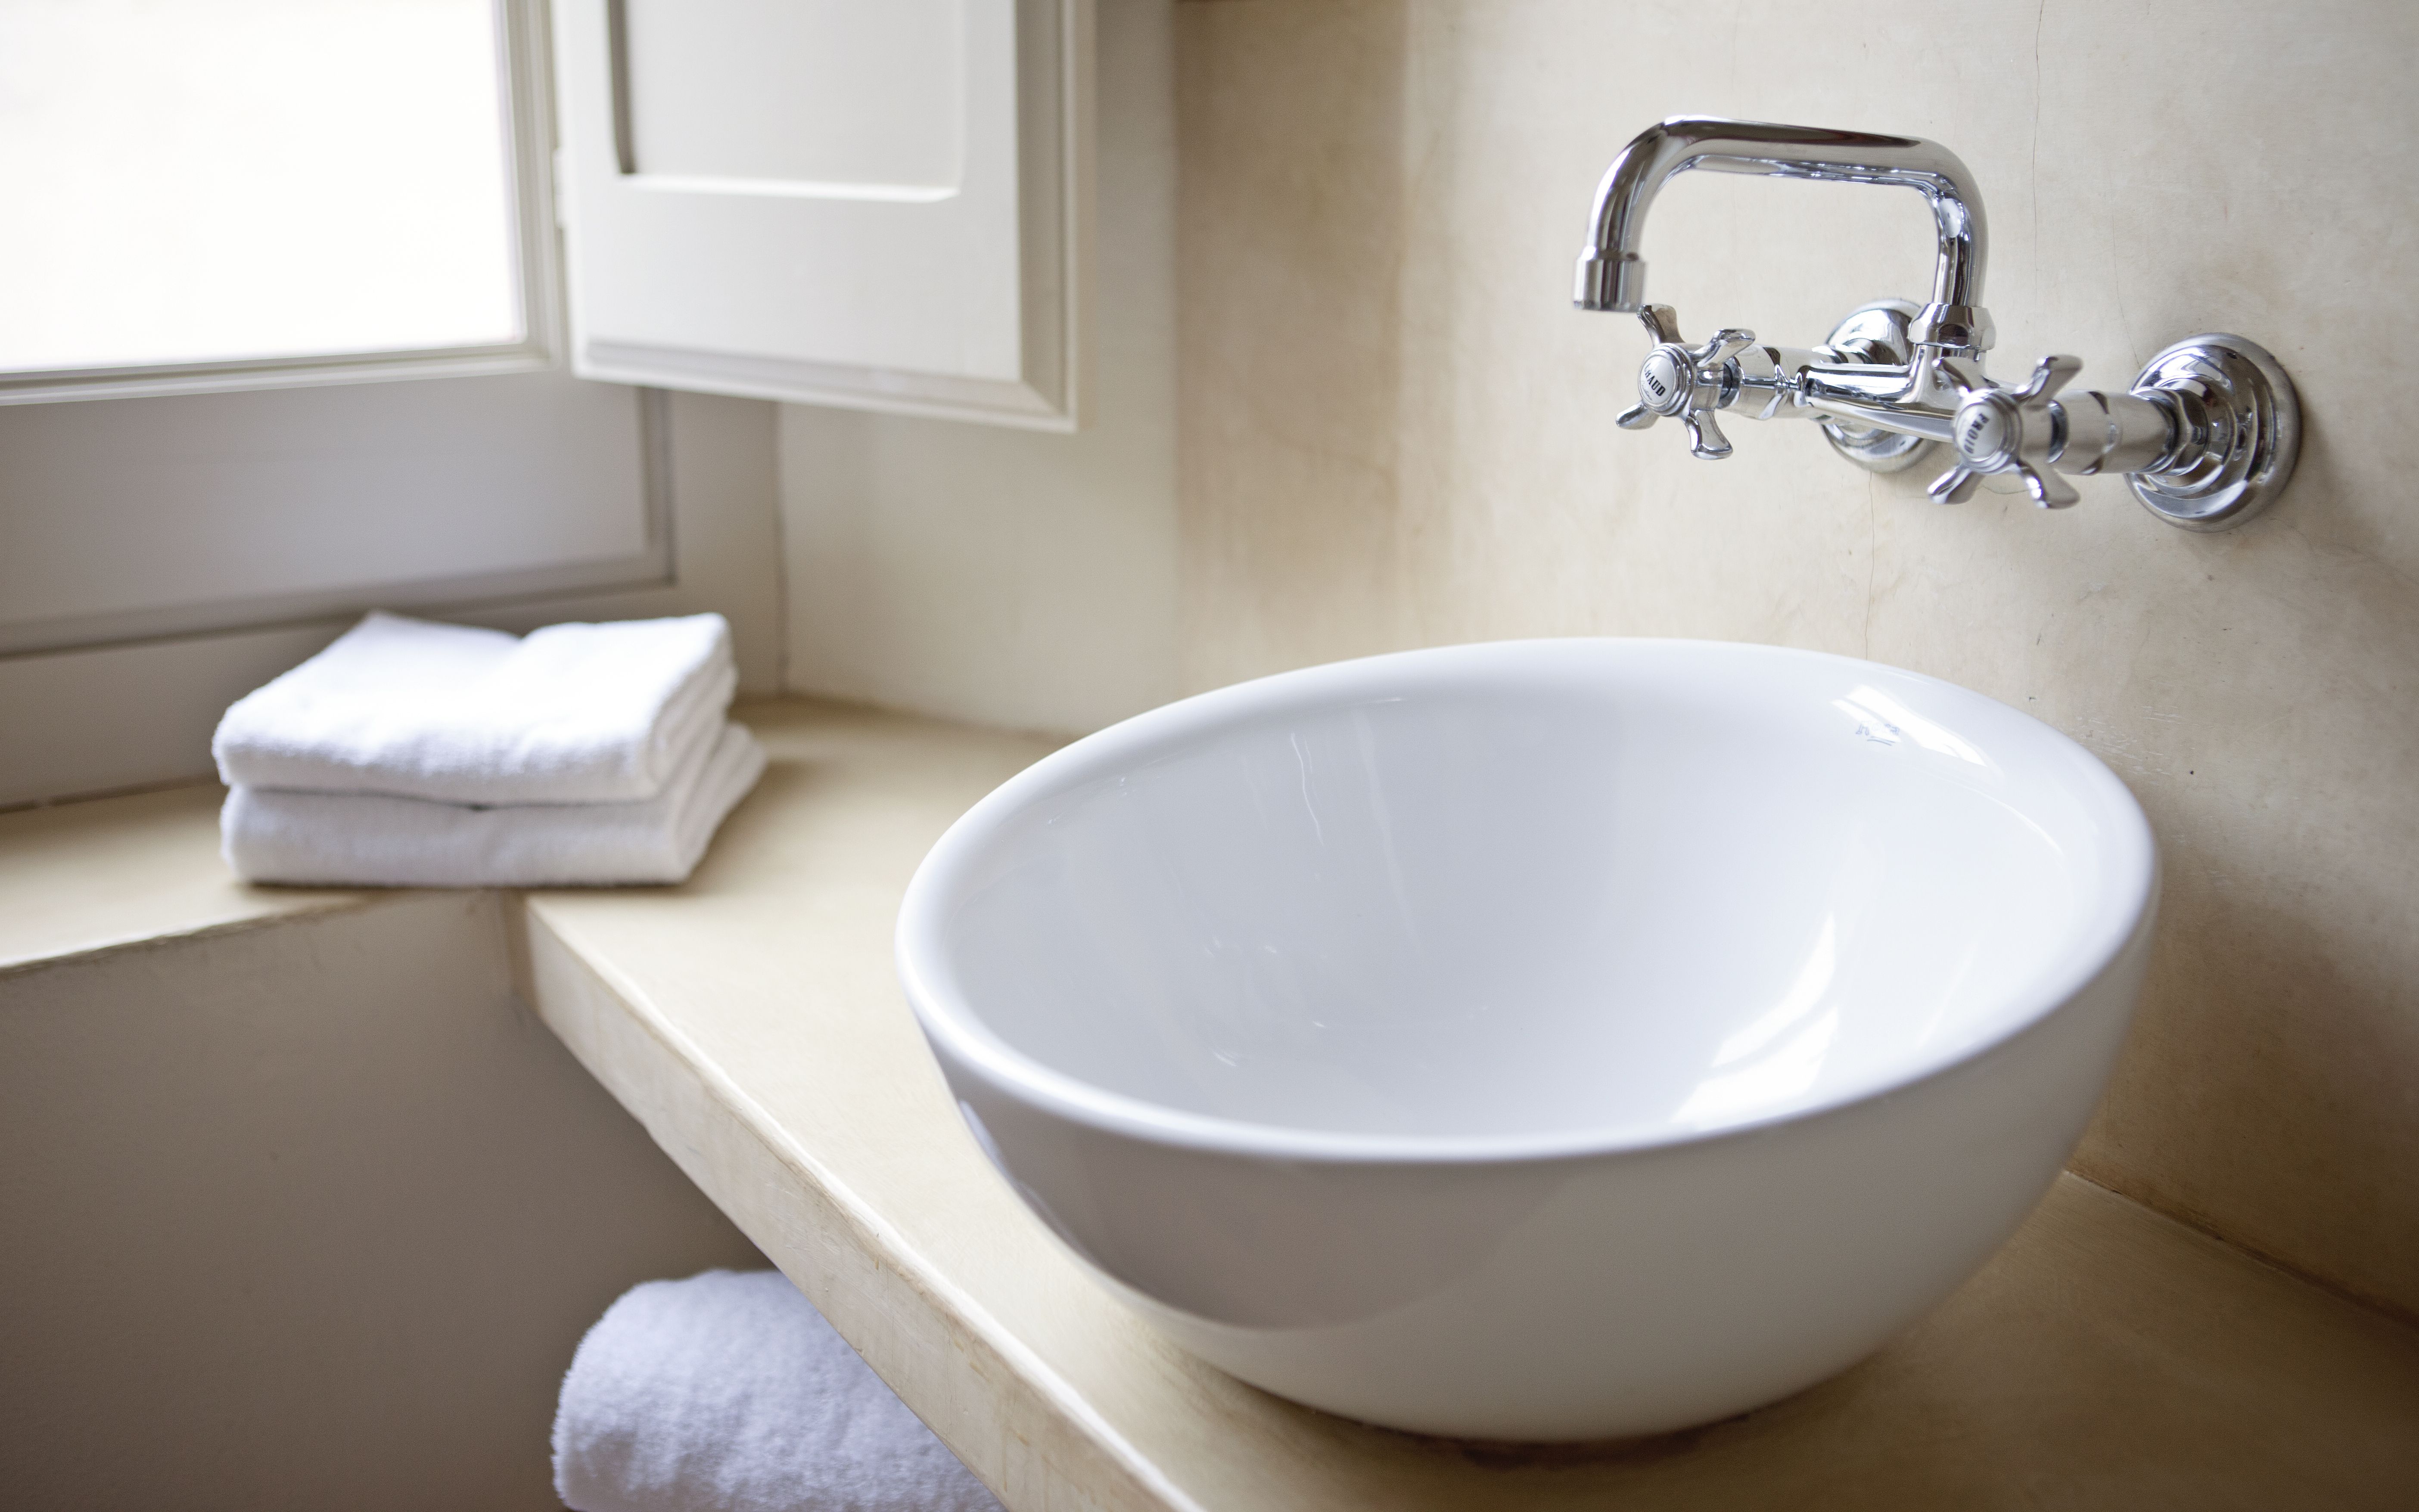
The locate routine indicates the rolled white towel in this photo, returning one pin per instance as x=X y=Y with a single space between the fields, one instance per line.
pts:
x=370 y=840
x=569 y=714
x=729 y=1393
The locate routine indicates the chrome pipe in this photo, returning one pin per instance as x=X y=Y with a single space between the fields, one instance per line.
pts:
x=1612 y=274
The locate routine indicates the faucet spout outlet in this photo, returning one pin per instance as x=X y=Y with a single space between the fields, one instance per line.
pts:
x=2206 y=436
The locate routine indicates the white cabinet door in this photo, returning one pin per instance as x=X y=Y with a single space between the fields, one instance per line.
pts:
x=875 y=206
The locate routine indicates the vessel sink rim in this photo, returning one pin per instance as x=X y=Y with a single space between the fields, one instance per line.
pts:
x=945 y=1015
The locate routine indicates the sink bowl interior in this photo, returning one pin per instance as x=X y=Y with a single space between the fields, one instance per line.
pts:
x=1533 y=895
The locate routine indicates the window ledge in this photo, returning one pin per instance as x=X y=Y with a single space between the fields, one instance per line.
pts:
x=164 y=380
x=2108 y=1357
x=87 y=878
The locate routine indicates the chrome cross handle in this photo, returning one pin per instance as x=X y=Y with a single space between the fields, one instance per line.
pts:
x=1687 y=383
x=2207 y=434
x=2007 y=430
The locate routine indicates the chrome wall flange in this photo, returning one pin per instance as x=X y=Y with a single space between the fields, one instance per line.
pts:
x=1876 y=333
x=2240 y=432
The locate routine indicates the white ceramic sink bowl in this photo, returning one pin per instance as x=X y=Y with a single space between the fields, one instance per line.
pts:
x=1549 y=1040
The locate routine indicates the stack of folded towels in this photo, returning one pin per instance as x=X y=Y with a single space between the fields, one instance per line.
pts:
x=415 y=754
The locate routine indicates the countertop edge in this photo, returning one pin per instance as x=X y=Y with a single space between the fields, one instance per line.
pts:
x=109 y=946
x=1025 y=1431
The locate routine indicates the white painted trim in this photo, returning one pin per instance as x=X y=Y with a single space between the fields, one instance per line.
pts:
x=884 y=391
x=68 y=385
x=790 y=189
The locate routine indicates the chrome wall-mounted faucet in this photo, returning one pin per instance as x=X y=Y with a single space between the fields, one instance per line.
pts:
x=2206 y=435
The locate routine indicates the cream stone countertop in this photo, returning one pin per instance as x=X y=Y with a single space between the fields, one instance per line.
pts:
x=77 y=878
x=2107 y=1358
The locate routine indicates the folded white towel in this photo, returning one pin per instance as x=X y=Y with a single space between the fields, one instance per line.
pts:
x=570 y=714
x=371 y=839
x=729 y=1393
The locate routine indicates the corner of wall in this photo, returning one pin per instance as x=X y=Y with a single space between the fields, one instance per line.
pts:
x=1011 y=578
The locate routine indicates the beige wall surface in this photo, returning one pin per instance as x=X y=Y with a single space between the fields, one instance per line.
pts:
x=309 y=1214
x=1396 y=431
x=1015 y=578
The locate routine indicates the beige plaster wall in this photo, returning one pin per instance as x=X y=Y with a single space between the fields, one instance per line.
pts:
x=310 y=1215
x=1396 y=431
x=1011 y=577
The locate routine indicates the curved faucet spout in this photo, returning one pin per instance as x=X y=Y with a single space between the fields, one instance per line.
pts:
x=1613 y=275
